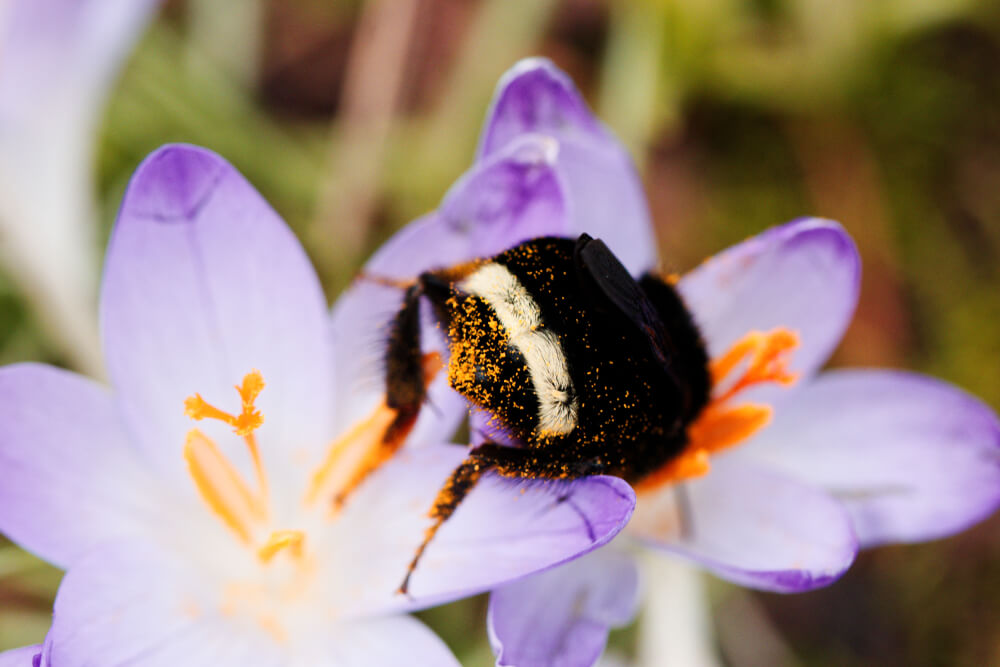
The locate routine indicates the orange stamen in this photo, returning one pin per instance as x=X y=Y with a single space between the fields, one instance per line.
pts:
x=690 y=464
x=347 y=452
x=364 y=448
x=221 y=486
x=769 y=356
x=721 y=425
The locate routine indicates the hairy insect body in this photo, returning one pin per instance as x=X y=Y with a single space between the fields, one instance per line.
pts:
x=566 y=378
x=586 y=369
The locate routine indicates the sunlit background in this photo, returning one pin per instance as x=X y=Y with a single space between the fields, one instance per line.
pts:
x=353 y=118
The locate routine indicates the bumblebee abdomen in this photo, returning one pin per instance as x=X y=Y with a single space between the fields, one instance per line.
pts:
x=559 y=367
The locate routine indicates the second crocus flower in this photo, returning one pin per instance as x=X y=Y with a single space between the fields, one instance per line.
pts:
x=788 y=471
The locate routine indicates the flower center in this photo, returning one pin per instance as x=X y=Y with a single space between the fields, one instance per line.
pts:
x=221 y=486
x=757 y=358
x=244 y=509
x=284 y=583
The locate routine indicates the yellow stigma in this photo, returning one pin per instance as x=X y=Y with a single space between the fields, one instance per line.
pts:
x=244 y=424
x=249 y=418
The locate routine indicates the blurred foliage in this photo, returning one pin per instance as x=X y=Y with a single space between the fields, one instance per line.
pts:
x=883 y=114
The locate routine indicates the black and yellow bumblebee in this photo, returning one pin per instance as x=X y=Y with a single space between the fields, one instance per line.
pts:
x=586 y=369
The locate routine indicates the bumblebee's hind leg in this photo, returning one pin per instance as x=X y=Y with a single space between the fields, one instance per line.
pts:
x=515 y=462
x=462 y=480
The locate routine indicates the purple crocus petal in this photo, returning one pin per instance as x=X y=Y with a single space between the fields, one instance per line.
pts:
x=604 y=191
x=135 y=604
x=204 y=283
x=131 y=604
x=505 y=529
x=385 y=641
x=912 y=458
x=752 y=526
x=68 y=479
x=26 y=656
x=802 y=276
x=511 y=197
x=562 y=616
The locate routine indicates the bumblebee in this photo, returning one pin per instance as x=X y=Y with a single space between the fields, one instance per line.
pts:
x=584 y=369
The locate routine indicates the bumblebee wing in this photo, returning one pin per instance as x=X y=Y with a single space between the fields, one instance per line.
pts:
x=616 y=292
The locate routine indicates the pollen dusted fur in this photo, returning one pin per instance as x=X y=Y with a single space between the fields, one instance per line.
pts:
x=591 y=371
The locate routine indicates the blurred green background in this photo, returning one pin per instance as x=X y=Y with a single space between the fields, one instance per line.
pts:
x=352 y=118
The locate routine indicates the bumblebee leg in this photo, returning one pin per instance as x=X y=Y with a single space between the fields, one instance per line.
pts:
x=507 y=461
x=404 y=373
x=385 y=281
x=408 y=372
x=461 y=481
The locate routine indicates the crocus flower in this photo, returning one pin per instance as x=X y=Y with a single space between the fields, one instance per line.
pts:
x=789 y=470
x=58 y=59
x=193 y=502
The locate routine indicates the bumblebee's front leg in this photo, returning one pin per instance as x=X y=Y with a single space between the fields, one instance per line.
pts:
x=408 y=371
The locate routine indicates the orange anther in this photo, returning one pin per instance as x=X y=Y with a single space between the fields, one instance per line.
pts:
x=764 y=357
x=365 y=447
x=221 y=486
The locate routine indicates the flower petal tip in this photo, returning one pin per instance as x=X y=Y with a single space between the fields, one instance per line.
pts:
x=614 y=505
x=794 y=579
x=534 y=96
x=173 y=183
x=533 y=70
x=826 y=234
